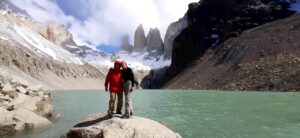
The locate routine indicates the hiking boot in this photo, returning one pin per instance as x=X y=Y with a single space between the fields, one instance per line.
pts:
x=109 y=114
x=119 y=112
x=126 y=116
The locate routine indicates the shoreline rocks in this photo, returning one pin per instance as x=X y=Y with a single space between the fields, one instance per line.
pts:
x=100 y=126
x=23 y=107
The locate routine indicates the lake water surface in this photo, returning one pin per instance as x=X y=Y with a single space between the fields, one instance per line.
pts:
x=193 y=114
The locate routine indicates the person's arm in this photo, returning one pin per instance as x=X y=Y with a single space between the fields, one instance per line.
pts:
x=107 y=79
x=132 y=78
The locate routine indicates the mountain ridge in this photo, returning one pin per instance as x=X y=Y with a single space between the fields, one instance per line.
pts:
x=257 y=60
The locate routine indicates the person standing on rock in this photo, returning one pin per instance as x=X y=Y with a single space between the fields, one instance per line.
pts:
x=128 y=83
x=114 y=81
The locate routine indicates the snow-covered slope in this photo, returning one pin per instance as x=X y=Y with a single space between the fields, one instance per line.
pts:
x=8 y=6
x=21 y=34
x=134 y=60
x=141 y=63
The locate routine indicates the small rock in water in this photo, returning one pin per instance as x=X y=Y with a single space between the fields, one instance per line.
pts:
x=44 y=109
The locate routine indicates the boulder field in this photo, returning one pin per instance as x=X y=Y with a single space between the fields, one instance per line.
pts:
x=23 y=107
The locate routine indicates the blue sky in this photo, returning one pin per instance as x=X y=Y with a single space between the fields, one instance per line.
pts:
x=82 y=13
x=68 y=8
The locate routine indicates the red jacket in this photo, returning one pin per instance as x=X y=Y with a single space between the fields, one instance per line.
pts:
x=114 y=79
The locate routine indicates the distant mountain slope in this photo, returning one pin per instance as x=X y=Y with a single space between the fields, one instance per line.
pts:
x=25 y=53
x=263 y=58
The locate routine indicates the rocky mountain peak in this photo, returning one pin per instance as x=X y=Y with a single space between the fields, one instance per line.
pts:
x=154 y=41
x=125 y=44
x=58 y=34
x=139 y=38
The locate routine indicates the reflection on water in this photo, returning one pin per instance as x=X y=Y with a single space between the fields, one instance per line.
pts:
x=190 y=113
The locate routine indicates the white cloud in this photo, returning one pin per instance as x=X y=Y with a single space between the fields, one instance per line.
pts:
x=108 y=20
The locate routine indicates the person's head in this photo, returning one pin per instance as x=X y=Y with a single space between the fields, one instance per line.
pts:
x=124 y=65
x=117 y=64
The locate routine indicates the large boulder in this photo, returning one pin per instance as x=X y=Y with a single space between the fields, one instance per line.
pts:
x=6 y=116
x=8 y=88
x=139 y=39
x=100 y=126
x=6 y=122
x=44 y=109
x=35 y=88
x=30 y=105
x=31 y=119
x=4 y=98
x=21 y=82
x=21 y=90
x=24 y=101
x=13 y=95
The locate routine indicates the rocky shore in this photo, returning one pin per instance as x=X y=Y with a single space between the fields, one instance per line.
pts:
x=100 y=126
x=23 y=106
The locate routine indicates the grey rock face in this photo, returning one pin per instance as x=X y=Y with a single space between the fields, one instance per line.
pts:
x=154 y=41
x=139 y=39
x=155 y=79
x=173 y=31
x=59 y=35
x=100 y=126
x=125 y=45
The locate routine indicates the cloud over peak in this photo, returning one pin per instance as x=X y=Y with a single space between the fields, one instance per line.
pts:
x=101 y=22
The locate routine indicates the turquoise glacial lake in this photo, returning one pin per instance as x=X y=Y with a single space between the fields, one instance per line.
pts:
x=192 y=114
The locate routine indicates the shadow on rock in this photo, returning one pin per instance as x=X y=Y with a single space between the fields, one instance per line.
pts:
x=91 y=122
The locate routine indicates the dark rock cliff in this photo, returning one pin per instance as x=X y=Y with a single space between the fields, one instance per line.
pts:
x=211 y=22
x=265 y=58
